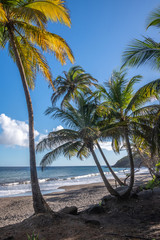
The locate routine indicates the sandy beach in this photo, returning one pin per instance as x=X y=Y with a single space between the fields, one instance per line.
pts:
x=16 y=209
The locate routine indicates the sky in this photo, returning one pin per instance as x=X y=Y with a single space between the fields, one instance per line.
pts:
x=100 y=32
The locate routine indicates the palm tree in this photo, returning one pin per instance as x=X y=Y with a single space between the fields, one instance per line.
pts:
x=23 y=26
x=147 y=52
x=127 y=113
x=73 y=82
x=79 y=140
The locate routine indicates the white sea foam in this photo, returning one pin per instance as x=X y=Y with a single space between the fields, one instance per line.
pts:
x=51 y=185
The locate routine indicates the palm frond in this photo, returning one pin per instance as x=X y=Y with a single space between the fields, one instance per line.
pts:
x=142 y=52
x=83 y=153
x=128 y=90
x=33 y=61
x=116 y=143
x=46 y=41
x=70 y=117
x=56 y=138
x=74 y=82
x=30 y=15
x=3 y=36
x=53 y=10
x=53 y=155
x=3 y=17
x=144 y=94
x=72 y=149
x=154 y=19
x=146 y=111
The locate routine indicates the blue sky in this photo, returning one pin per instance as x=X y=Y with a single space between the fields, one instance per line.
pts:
x=99 y=34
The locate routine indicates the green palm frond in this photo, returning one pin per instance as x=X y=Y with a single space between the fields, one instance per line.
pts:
x=154 y=19
x=70 y=117
x=74 y=82
x=83 y=153
x=113 y=130
x=144 y=94
x=57 y=138
x=53 y=155
x=3 y=36
x=116 y=143
x=76 y=141
x=72 y=149
x=146 y=111
x=142 y=52
x=128 y=90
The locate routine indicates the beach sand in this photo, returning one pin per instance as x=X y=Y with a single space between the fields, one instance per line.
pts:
x=134 y=219
x=16 y=209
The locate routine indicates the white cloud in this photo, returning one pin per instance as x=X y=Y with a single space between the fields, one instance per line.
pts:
x=14 y=132
x=58 y=128
x=42 y=136
x=106 y=145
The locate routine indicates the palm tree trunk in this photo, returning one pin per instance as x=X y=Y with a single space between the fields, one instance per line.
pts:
x=107 y=184
x=128 y=191
x=39 y=204
x=110 y=169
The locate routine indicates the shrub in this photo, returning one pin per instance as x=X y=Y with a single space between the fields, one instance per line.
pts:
x=153 y=183
x=32 y=237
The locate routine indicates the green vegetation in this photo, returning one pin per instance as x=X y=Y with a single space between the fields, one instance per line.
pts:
x=124 y=162
x=153 y=183
x=73 y=82
x=32 y=237
x=114 y=112
x=148 y=52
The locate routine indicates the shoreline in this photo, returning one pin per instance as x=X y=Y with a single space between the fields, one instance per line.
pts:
x=49 y=186
x=16 y=209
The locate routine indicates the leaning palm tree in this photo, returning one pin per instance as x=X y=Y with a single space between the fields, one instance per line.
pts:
x=76 y=80
x=127 y=112
x=79 y=140
x=23 y=29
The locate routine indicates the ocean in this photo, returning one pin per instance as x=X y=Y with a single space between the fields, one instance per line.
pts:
x=15 y=181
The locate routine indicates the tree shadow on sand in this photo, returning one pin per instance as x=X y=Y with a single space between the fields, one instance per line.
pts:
x=136 y=219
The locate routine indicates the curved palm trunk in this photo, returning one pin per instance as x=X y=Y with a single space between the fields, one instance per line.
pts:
x=128 y=191
x=107 y=184
x=109 y=167
x=39 y=204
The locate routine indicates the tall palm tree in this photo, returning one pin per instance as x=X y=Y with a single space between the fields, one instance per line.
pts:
x=73 y=82
x=23 y=29
x=79 y=140
x=127 y=112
